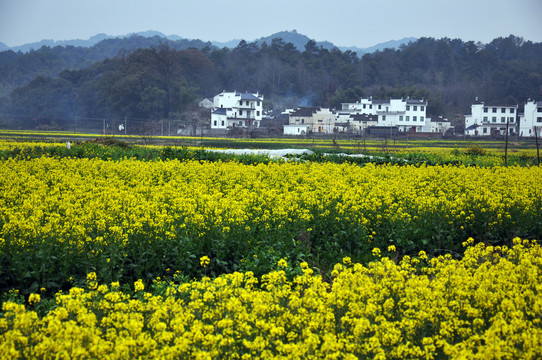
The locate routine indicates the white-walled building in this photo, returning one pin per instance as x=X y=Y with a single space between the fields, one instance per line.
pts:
x=531 y=119
x=356 y=122
x=206 y=103
x=488 y=120
x=319 y=119
x=234 y=109
x=438 y=125
x=405 y=114
x=299 y=130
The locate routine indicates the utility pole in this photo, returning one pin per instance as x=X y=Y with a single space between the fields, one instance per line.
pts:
x=537 y=149
x=103 y=131
x=506 y=145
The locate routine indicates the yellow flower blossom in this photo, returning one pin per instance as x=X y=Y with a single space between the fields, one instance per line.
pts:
x=204 y=261
x=139 y=286
x=34 y=299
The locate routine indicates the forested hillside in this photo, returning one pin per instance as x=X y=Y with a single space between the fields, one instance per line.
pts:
x=162 y=81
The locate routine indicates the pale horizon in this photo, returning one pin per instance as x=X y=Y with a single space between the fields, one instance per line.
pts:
x=344 y=23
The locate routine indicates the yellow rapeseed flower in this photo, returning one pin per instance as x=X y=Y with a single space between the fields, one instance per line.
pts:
x=204 y=261
x=139 y=286
x=34 y=299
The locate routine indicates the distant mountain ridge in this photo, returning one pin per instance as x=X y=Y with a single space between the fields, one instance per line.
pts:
x=93 y=40
x=392 y=44
x=297 y=39
x=300 y=40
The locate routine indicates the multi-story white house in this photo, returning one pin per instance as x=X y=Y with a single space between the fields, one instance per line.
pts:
x=531 y=119
x=234 y=109
x=405 y=114
x=491 y=120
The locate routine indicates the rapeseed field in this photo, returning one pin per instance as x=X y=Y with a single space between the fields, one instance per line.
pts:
x=210 y=259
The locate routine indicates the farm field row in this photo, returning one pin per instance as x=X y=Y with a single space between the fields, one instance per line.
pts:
x=485 y=306
x=440 y=154
x=327 y=141
x=131 y=219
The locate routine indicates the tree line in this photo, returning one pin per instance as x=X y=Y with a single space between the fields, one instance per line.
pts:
x=162 y=81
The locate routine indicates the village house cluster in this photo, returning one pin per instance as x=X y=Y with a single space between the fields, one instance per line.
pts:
x=495 y=119
x=245 y=110
x=367 y=116
x=231 y=110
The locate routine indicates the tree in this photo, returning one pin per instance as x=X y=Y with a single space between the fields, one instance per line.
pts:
x=153 y=102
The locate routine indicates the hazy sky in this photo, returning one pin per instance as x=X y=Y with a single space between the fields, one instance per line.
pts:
x=343 y=22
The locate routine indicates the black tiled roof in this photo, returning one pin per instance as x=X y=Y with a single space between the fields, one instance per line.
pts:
x=247 y=96
x=416 y=102
x=380 y=102
x=221 y=111
x=364 y=117
x=304 y=111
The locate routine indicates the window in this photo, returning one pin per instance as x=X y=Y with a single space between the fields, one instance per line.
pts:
x=485 y=119
x=539 y=119
x=364 y=106
x=422 y=108
x=511 y=119
x=383 y=117
x=538 y=109
x=494 y=119
x=246 y=103
x=258 y=113
x=422 y=118
x=240 y=123
x=511 y=111
x=408 y=107
x=503 y=119
x=387 y=109
x=222 y=123
x=370 y=106
x=408 y=118
x=379 y=107
x=415 y=108
x=485 y=109
x=414 y=118
x=485 y=130
x=258 y=103
x=302 y=121
x=494 y=110
x=503 y=110
x=240 y=112
x=401 y=118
